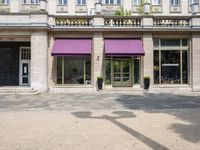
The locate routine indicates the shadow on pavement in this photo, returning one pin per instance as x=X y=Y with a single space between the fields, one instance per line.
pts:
x=121 y=115
x=185 y=108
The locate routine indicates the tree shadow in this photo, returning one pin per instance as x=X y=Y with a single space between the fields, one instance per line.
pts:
x=186 y=108
x=121 y=115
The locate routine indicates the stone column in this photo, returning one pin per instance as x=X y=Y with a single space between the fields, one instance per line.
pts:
x=195 y=59
x=39 y=61
x=97 y=57
x=148 y=58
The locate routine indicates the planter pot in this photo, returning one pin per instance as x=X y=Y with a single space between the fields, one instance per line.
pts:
x=100 y=83
x=146 y=83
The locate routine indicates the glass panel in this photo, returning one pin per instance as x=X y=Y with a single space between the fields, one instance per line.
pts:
x=59 y=70
x=136 y=71
x=73 y=70
x=126 y=66
x=171 y=42
x=184 y=42
x=108 y=71
x=170 y=67
x=25 y=80
x=136 y=2
x=156 y=42
x=156 y=2
x=88 y=72
x=156 y=67
x=185 y=67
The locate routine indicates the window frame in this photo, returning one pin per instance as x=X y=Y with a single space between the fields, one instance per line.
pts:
x=138 y=2
x=173 y=2
x=5 y=2
x=63 y=72
x=180 y=48
x=154 y=4
x=81 y=3
x=115 y=2
x=62 y=2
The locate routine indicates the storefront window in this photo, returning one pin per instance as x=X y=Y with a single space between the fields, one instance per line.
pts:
x=73 y=70
x=136 y=70
x=171 y=65
x=108 y=71
x=156 y=67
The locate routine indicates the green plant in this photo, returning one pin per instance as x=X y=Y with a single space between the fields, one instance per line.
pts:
x=146 y=77
x=123 y=12
x=99 y=78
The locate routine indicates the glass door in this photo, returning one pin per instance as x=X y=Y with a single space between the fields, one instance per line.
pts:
x=24 y=66
x=122 y=73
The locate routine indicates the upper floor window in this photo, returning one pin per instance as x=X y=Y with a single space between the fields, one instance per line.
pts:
x=156 y=2
x=136 y=2
x=193 y=1
x=62 y=2
x=111 y=2
x=5 y=2
x=35 y=1
x=175 y=2
x=30 y=1
x=80 y=2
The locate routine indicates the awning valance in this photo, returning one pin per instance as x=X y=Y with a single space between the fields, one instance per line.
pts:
x=124 y=47
x=64 y=47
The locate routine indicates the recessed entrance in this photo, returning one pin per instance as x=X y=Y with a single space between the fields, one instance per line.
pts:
x=122 y=73
x=10 y=63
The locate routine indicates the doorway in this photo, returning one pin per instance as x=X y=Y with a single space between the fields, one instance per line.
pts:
x=122 y=72
x=24 y=65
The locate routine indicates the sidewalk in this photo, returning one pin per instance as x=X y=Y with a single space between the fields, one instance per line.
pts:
x=100 y=122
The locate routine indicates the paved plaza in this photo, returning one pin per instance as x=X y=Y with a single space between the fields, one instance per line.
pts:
x=100 y=121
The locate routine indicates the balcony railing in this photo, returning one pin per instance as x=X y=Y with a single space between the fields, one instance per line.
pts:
x=74 y=21
x=171 y=22
x=122 y=21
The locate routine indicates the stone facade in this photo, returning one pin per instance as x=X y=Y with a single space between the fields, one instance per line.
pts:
x=41 y=28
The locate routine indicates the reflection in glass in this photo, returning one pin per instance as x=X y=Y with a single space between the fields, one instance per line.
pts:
x=108 y=71
x=184 y=67
x=170 y=42
x=76 y=70
x=156 y=67
x=170 y=67
x=59 y=70
x=136 y=71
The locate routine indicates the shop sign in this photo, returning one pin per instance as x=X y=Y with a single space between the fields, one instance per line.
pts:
x=170 y=65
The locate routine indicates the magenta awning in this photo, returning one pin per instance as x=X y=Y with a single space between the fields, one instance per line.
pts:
x=64 y=47
x=124 y=47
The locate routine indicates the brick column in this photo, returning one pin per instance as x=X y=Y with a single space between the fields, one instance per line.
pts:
x=97 y=57
x=148 y=58
x=195 y=62
x=39 y=61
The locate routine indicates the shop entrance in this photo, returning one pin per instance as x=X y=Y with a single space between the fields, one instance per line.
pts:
x=122 y=72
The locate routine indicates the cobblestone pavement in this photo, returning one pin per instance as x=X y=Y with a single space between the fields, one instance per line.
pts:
x=100 y=121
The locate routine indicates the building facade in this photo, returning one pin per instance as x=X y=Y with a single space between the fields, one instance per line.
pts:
x=65 y=45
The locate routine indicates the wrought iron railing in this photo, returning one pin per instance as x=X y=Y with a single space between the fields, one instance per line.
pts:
x=122 y=21
x=73 y=21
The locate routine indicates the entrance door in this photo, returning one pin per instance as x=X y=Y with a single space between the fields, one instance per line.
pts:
x=24 y=76
x=122 y=73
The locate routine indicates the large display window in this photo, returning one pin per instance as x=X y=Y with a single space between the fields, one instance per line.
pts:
x=171 y=61
x=75 y=70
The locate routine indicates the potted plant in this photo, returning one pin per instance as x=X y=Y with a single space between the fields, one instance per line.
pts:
x=146 y=82
x=100 y=82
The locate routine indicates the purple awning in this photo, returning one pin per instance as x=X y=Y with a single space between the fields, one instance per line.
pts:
x=123 y=47
x=72 y=47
